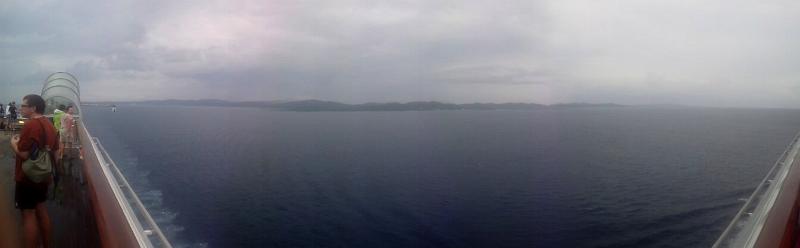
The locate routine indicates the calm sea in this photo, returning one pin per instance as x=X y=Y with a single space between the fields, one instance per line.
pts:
x=593 y=177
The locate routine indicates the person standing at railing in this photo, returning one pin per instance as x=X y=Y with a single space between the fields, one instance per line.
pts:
x=66 y=132
x=12 y=112
x=57 y=114
x=7 y=116
x=2 y=117
x=30 y=196
x=68 y=125
x=58 y=118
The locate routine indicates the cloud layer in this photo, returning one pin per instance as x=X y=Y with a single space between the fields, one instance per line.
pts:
x=718 y=53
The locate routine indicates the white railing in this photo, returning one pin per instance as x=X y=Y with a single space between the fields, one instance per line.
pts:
x=748 y=223
x=147 y=232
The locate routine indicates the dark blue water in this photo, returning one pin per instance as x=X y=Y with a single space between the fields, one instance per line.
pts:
x=598 y=177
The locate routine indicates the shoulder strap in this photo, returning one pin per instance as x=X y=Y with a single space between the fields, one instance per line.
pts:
x=44 y=134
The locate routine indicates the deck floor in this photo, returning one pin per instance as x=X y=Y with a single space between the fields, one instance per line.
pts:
x=70 y=213
x=9 y=217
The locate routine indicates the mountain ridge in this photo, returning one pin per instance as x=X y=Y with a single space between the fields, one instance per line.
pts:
x=320 y=105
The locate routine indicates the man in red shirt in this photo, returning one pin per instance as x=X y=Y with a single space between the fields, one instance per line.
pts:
x=29 y=196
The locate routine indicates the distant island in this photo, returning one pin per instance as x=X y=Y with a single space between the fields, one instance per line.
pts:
x=317 y=105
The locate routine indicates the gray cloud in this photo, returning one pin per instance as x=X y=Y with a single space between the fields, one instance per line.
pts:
x=723 y=53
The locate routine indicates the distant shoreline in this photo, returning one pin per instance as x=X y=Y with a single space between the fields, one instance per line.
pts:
x=318 y=106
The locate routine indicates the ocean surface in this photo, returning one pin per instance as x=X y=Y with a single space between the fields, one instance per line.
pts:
x=591 y=177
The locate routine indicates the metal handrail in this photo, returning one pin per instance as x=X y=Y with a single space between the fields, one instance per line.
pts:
x=143 y=211
x=757 y=192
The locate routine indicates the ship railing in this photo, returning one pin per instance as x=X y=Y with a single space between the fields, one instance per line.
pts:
x=748 y=224
x=145 y=230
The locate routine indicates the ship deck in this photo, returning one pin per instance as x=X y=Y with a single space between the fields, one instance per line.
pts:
x=70 y=211
x=91 y=204
x=9 y=217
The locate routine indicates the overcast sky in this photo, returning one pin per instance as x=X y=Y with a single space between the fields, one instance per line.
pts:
x=712 y=53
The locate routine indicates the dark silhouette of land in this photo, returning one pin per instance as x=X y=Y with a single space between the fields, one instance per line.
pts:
x=317 y=105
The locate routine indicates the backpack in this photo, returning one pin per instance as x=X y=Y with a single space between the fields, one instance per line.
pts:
x=40 y=163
